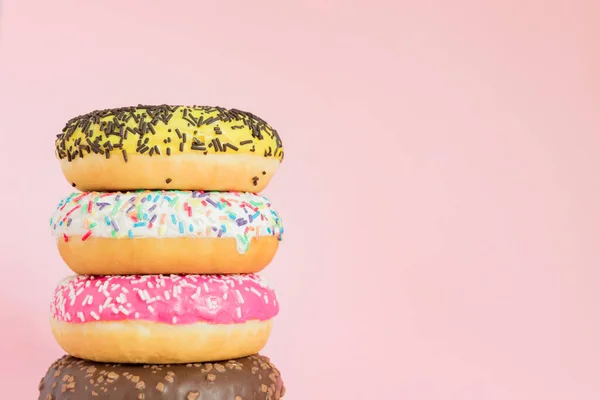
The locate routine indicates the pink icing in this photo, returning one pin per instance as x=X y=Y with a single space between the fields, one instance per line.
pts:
x=175 y=299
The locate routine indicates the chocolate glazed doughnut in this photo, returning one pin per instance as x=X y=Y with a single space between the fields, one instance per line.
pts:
x=248 y=378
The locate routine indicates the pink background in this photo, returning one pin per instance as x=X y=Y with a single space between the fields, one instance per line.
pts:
x=440 y=190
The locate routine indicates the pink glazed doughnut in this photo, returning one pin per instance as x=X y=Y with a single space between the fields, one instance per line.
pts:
x=159 y=319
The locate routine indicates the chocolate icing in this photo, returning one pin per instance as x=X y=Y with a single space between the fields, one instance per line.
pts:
x=248 y=378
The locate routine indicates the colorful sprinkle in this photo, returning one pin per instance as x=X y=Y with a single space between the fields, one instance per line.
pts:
x=116 y=208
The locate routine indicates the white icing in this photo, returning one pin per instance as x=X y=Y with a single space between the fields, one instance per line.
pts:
x=166 y=214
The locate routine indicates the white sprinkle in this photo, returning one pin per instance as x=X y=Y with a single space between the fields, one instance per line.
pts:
x=174 y=320
x=205 y=287
x=197 y=293
x=151 y=309
x=167 y=295
x=239 y=296
x=80 y=315
x=256 y=292
x=114 y=310
x=96 y=317
x=150 y=285
x=225 y=296
x=124 y=290
x=136 y=315
x=68 y=316
x=88 y=283
x=239 y=312
x=79 y=292
x=114 y=287
x=107 y=302
x=266 y=299
x=123 y=310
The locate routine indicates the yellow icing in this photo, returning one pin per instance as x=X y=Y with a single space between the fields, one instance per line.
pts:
x=167 y=130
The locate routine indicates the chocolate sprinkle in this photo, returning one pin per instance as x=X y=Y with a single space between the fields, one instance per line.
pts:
x=169 y=180
x=122 y=126
x=253 y=377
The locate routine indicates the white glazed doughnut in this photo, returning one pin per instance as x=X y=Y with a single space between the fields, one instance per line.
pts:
x=158 y=232
x=163 y=319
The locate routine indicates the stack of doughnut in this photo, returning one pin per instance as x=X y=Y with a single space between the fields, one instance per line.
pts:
x=166 y=235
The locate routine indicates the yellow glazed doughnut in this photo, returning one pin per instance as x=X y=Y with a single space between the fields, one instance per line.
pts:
x=169 y=147
x=166 y=232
